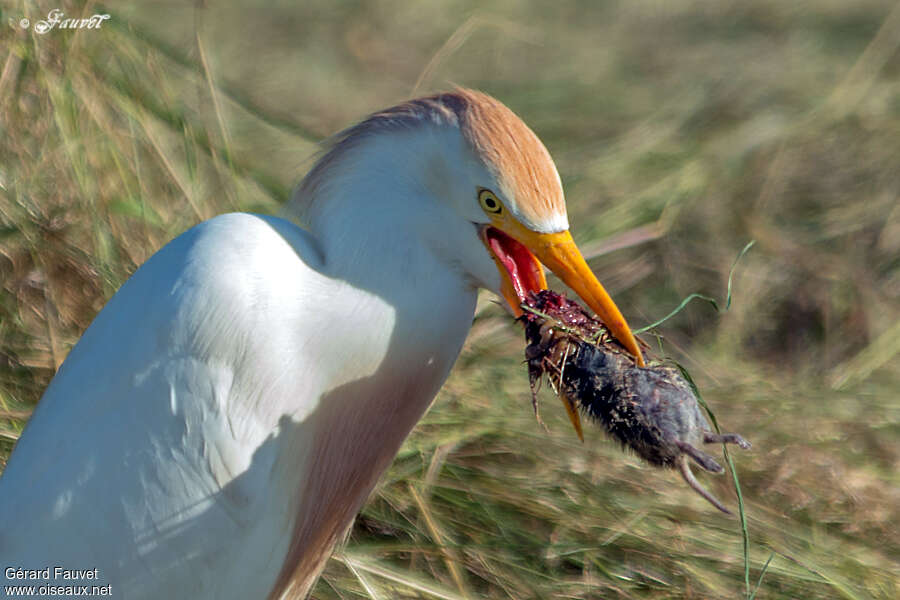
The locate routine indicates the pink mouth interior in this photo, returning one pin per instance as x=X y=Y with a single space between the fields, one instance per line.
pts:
x=523 y=268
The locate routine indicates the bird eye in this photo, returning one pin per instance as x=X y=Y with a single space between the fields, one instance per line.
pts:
x=489 y=202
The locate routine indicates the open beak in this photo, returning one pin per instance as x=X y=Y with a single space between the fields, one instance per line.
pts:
x=519 y=260
x=519 y=252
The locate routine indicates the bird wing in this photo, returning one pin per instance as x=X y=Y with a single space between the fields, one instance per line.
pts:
x=152 y=451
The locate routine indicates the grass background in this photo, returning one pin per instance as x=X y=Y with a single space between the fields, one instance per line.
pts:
x=682 y=130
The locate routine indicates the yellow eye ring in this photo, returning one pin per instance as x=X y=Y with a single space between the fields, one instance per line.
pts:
x=489 y=202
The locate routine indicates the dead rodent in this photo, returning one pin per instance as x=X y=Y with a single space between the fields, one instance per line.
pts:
x=651 y=409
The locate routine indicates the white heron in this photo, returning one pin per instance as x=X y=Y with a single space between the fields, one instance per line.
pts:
x=220 y=423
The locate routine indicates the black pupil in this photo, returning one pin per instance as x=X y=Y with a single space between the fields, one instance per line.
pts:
x=489 y=202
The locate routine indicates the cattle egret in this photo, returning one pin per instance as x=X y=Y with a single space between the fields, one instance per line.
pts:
x=220 y=423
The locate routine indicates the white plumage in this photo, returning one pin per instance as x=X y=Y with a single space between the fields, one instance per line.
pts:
x=220 y=423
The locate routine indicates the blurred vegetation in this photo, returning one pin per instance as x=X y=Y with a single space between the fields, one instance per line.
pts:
x=682 y=129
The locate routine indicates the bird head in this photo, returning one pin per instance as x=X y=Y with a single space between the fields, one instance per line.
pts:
x=513 y=194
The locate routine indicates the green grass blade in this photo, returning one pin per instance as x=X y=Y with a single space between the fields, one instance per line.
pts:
x=761 y=575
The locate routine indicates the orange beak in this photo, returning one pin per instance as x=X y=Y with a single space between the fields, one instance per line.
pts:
x=519 y=252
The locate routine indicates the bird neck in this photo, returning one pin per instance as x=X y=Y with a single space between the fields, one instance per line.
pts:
x=378 y=229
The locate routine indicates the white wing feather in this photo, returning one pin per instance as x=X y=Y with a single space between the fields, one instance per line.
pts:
x=136 y=460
